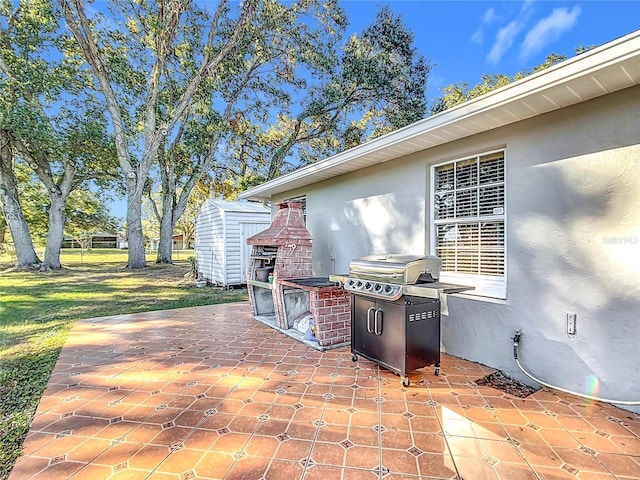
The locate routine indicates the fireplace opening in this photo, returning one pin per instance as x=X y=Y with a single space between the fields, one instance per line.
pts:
x=295 y=303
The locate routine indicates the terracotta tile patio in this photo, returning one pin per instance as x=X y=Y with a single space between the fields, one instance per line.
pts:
x=208 y=392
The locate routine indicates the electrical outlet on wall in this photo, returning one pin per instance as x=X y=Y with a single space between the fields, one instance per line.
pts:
x=571 y=323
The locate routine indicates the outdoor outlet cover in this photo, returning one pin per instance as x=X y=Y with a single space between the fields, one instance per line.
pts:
x=571 y=323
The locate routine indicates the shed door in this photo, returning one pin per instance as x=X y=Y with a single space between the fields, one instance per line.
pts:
x=248 y=230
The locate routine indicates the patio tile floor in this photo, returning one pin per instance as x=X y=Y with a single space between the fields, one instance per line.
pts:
x=210 y=393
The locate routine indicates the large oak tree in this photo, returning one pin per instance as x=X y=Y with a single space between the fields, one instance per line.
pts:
x=50 y=120
x=240 y=92
x=294 y=92
x=130 y=57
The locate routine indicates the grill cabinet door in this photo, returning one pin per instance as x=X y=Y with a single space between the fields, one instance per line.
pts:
x=391 y=335
x=401 y=336
x=363 y=340
x=378 y=333
x=423 y=333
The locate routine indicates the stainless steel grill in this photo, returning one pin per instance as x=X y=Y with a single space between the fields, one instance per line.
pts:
x=391 y=276
x=395 y=310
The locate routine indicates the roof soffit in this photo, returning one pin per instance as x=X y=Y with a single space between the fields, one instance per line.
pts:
x=605 y=69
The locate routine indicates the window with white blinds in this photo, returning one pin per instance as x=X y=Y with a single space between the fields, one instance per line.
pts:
x=469 y=221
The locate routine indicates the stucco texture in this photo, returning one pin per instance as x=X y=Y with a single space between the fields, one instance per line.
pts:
x=573 y=242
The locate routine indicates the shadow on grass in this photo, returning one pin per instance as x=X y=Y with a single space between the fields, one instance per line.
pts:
x=92 y=291
x=23 y=378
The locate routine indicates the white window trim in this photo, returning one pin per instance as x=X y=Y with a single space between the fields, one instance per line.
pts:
x=485 y=285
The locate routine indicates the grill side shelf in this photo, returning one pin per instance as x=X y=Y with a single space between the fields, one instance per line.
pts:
x=434 y=290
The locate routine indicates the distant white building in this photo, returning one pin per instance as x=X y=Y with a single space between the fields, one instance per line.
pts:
x=221 y=231
x=96 y=240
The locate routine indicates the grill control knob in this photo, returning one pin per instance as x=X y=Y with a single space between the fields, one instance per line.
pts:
x=367 y=286
x=378 y=287
x=387 y=288
x=358 y=284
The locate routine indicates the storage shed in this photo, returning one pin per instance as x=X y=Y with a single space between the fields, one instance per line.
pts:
x=221 y=231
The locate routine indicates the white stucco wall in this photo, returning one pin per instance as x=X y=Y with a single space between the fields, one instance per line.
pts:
x=573 y=242
x=357 y=214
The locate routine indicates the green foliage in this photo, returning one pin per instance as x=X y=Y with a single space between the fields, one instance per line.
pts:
x=204 y=189
x=51 y=115
x=332 y=94
x=584 y=48
x=194 y=265
x=385 y=61
x=235 y=92
x=455 y=94
x=46 y=99
x=85 y=211
x=35 y=202
x=85 y=215
x=23 y=378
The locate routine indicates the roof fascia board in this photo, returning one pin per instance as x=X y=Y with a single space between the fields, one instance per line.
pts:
x=563 y=73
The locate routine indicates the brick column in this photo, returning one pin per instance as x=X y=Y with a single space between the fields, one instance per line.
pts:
x=331 y=310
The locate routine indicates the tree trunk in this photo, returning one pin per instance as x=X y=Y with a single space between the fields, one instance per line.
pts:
x=165 y=243
x=25 y=253
x=55 y=233
x=135 y=237
x=187 y=236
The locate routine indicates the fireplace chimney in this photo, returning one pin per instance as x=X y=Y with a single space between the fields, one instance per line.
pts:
x=287 y=227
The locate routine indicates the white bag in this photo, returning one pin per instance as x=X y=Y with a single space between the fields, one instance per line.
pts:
x=303 y=322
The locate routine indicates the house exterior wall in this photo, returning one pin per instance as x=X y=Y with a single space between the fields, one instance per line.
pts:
x=356 y=214
x=573 y=242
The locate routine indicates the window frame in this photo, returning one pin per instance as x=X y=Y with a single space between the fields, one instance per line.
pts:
x=485 y=285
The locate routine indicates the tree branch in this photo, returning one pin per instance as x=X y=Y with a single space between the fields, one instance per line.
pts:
x=169 y=25
x=81 y=30
x=209 y=67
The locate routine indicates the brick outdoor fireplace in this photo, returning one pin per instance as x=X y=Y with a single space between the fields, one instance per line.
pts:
x=281 y=286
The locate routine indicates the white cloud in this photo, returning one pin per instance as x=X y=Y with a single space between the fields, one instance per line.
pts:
x=549 y=29
x=488 y=17
x=478 y=36
x=526 y=5
x=504 y=40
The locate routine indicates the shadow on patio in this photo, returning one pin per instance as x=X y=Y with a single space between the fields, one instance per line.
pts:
x=208 y=392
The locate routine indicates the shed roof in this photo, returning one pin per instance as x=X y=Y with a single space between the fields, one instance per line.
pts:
x=603 y=70
x=242 y=206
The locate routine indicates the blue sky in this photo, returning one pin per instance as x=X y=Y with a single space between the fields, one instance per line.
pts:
x=465 y=39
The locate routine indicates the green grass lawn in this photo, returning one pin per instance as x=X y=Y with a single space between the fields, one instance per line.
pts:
x=73 y=256
x=38 y=309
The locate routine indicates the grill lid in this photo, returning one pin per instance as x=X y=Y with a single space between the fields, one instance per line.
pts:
x=390 y=276
x=395 y=268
